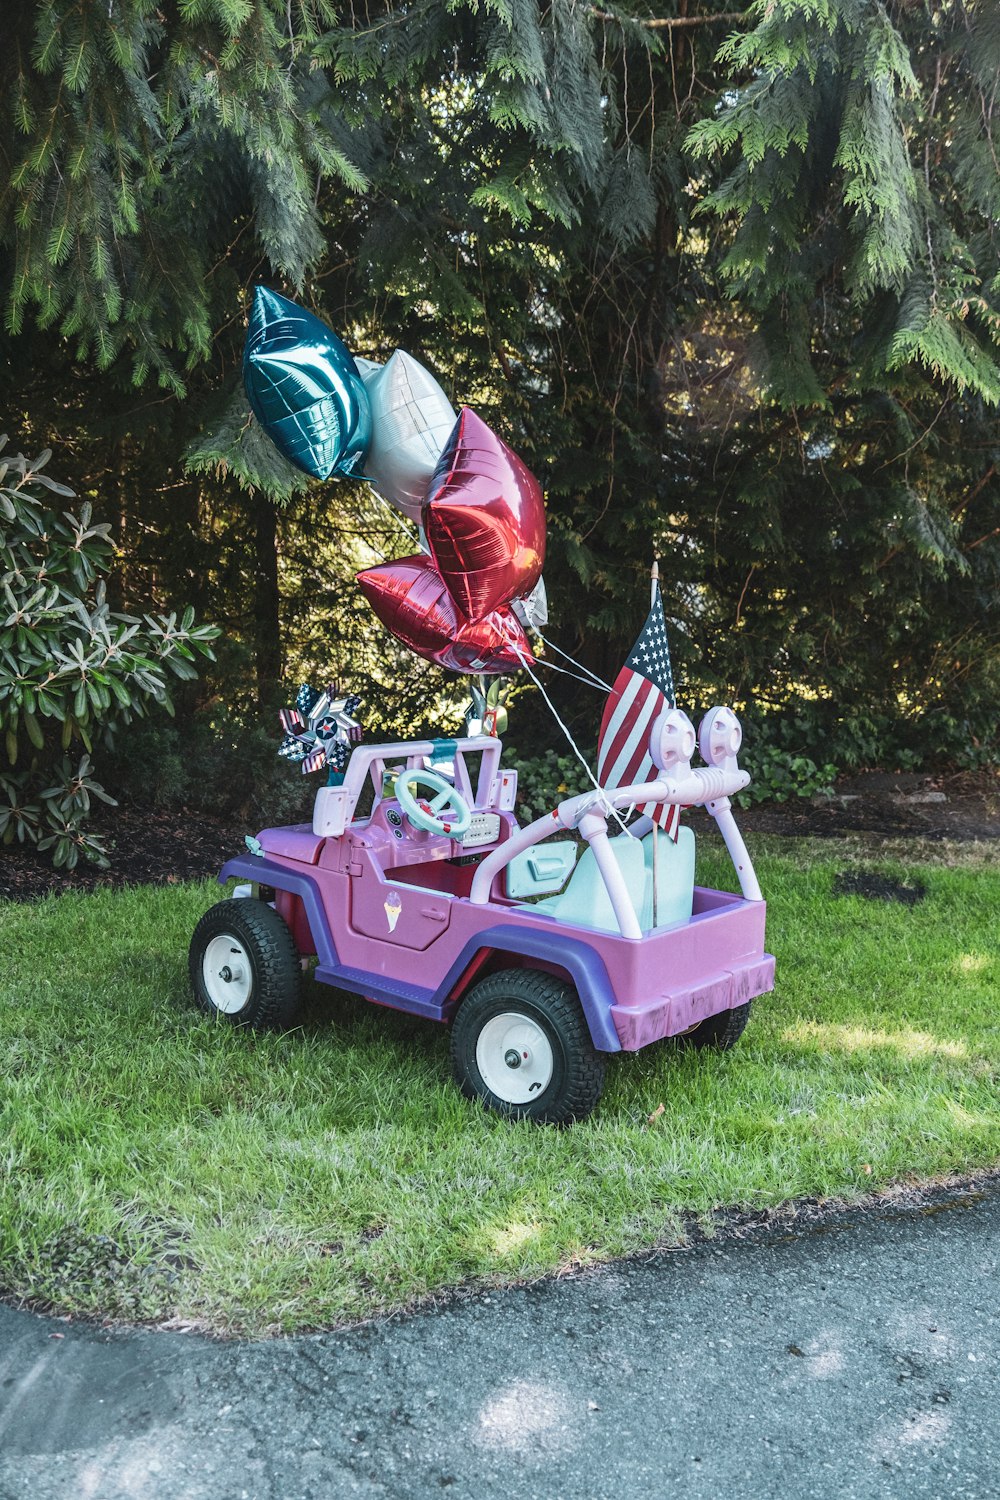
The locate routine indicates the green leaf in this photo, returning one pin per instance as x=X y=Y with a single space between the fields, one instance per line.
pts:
x=34 y=730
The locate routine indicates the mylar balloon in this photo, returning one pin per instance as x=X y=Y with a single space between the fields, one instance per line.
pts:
x=304 y=388
x=485 y=520
x=410 y=598
x=533 y=609
x=411 y=421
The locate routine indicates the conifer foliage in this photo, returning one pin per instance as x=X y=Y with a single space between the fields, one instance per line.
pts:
x=136 y=143
x=861 y=152
x=739 y=305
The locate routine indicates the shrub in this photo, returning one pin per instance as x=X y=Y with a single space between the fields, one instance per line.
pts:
x=72 y=671
x=779 y=775
x=543 y=780
x=220 y=760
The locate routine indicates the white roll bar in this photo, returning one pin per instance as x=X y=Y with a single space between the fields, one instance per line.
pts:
x=708 y=787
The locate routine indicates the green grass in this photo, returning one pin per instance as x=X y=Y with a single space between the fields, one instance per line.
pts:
x=158 y=1165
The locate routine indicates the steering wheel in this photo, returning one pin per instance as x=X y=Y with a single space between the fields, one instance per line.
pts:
x=441 y=809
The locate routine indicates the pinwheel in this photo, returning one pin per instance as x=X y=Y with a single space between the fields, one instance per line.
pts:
x=320 y=729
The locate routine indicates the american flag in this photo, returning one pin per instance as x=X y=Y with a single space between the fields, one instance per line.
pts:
x=643 y=687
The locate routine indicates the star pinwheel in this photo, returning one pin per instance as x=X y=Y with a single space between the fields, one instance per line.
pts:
x=320 y=729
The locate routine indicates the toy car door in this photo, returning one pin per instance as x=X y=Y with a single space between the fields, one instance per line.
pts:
x=409 y=915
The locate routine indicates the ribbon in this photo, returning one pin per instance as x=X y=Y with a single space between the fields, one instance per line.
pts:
x=320 y=730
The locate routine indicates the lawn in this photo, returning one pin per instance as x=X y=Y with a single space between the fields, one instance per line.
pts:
x=158 y=1165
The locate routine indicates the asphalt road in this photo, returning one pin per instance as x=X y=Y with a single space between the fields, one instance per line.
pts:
x=858 y=1357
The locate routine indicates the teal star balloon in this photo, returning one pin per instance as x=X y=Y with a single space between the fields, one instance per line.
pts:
x=305 y=389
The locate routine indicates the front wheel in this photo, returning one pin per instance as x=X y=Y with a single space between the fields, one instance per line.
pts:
x=521 y=1046
x=244 y=965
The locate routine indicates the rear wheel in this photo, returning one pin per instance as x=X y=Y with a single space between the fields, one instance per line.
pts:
x=718 y=1032
x=244 y=965
x=521 y=1046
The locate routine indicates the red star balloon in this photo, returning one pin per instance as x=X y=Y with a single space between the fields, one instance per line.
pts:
x=484 y=518
x=410 y=598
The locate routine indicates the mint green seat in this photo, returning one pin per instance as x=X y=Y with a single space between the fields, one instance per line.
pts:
x=541 y=869
x=675 y=886
x=586 y=903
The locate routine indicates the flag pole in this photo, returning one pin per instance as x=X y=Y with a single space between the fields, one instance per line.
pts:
x=654 y=583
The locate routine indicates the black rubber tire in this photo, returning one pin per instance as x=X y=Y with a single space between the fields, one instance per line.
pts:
x=275 y=994
x=719 y=1032
x=577 y=1066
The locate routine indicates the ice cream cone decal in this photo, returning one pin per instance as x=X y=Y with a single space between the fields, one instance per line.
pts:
x=393 y=907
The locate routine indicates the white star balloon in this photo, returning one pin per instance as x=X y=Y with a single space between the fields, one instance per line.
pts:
x=412 y=420
x=533 y=609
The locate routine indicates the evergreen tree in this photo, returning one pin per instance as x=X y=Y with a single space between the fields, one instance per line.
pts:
x=858 y=192
x=789 y=391
x=860 y=151
x=136 y=146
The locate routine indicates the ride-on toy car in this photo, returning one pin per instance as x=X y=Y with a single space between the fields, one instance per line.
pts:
x=436 y=902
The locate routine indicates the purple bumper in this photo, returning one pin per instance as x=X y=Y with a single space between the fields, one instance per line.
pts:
x=668 y=1015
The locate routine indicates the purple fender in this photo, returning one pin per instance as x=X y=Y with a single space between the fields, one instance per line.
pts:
x=582 y=963
x=265 y=872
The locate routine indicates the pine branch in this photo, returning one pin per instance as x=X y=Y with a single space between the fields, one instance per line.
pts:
x=668 y=23
x=967 y=500
x=989 y=535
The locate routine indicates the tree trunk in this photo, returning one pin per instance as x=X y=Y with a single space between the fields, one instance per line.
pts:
x=266 y=601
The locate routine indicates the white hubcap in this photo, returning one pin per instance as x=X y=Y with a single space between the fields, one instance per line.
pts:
x=514 y=1058
x=228 y=976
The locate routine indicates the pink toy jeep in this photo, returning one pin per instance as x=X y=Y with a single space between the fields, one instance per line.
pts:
x=545 y=958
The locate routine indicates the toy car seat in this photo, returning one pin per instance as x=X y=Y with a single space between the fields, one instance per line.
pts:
x=586 y=903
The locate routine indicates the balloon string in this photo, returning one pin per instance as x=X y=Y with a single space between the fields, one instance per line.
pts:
x=587 y=682
x=592 y=676
x=606 y=806
x=394 y=513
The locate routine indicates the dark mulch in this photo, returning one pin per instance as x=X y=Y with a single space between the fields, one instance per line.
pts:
x=162 y=848
x=145 y=848
x=961 y=805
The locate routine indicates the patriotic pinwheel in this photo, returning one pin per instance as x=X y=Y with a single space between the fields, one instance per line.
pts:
x=320 y=730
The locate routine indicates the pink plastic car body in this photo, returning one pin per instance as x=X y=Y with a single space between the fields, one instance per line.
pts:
x=413 y=919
